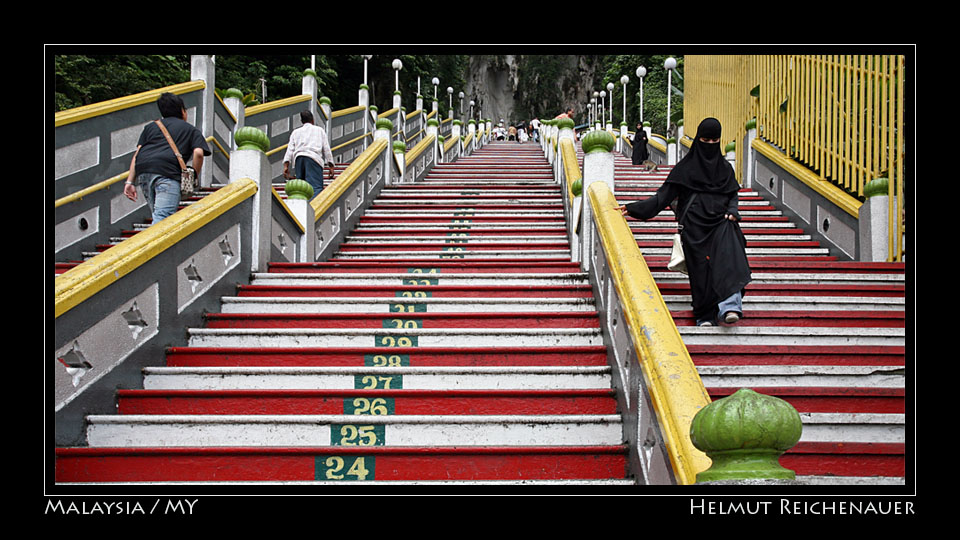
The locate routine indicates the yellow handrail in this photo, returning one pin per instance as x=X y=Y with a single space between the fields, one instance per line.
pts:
x=91 y=276
x=571 y=167
x=673 y=383
x=415 y=152
x=69 y=116
x=322 y=202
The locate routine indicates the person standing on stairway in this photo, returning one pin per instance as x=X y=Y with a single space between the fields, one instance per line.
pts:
x=640 y=152
x=155 y=168
x=703 y=191
x=308 y=150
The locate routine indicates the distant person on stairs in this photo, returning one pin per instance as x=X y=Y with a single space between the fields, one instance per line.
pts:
x=155 y=168
x=640 y=152
x=703 y=191
x=308 y=150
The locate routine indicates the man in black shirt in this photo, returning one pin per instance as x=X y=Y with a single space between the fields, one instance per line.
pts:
x=155 y=168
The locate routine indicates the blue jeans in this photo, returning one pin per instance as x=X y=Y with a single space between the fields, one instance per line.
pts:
x=310 y=171
x=732 y=303
x=162 y=194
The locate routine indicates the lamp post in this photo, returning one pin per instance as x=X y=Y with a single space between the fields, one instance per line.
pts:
x=669 y=64
x=603 y=107
x=397 y=66
x=460 y=95
x=624 y=80
x=610 y=87
x=365 y=58
x=450 y=101
x=641 y=73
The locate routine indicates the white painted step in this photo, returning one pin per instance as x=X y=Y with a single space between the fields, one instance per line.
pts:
x=416 y=337
x=832 y=376
x=233 y=304
x=381 y=279
x=320 y=430
x=681 y=302
x=793 y=336
x=813 y=278
x=408 y=378
x=441 y=253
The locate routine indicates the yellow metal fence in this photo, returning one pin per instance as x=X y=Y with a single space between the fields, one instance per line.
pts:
x=840 y=116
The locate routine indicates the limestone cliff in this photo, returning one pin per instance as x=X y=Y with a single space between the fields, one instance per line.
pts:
x=516 y=88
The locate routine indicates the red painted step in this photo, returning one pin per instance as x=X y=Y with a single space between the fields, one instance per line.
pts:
x=410 y=402
x=579 y=319
x=846 y=459
x=414 y=266
x=422 y=291
x=396 y=356
x=347 y=247
x=827 y=400
x=336 y=463
x=754 y=355
x=848 y=319
x=801 y=289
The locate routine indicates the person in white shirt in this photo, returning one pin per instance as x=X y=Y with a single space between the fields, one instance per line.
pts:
x=308 y=150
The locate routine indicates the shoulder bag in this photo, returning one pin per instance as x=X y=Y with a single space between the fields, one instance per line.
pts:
x=188 y=176
x=677 y=261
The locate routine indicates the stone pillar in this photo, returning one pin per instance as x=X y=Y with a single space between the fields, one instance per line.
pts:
x=233 y=100
x=250 y=161
x=874 y=223
x=202 y=68
x=597 y=167
x=472 y=130
x=749 y=155
x=400 y=157
x=383 y=130
x=309 y=87
x=364 y=101
x=671 y=151
x=299 y=193
x=745 y=434
x=327 y=112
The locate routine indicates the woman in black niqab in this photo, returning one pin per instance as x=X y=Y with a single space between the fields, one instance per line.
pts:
x=639 y=142
x=702 y=190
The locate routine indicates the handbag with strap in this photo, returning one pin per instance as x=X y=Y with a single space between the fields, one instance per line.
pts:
x=188 y=176
x=678 y=262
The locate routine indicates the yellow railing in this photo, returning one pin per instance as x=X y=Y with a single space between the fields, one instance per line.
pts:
x=673 y=383
x=571 y=168
x=325 y=200
x=86 y=279
x=841 y=117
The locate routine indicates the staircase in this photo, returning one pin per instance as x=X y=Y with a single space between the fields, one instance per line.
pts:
x=824 y=335
x=449 y=340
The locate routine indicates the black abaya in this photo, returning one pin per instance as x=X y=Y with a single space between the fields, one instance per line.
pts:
x=640 y=152
x=714 y=246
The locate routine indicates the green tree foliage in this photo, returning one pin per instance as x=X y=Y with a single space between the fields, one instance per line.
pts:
x=654 y=89
x=544 y=81
x=84 y=79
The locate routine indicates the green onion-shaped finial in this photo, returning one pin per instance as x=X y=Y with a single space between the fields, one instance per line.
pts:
x=297 y=189
x=745 y=434
x=251 y=138
x=598 y=141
